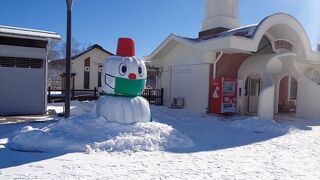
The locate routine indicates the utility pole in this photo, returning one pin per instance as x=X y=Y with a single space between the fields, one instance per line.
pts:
x=318 y=38
x=68 y=60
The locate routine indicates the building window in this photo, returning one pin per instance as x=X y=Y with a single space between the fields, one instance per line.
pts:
x=281 y=45
x=99 y=75
x=265 y=46
x=86 y=79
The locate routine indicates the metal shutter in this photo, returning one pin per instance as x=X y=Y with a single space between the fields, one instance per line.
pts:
x=22 y=90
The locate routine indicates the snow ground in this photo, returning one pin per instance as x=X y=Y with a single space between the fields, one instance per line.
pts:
x=211 y=148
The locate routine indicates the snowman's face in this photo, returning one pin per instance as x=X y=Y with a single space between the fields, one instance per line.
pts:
x=124 y=76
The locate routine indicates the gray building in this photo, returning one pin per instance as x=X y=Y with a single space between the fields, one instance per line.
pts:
x=23 y=70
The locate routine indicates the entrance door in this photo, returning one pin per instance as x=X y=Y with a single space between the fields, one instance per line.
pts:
x=287 y=95
x=252 y=92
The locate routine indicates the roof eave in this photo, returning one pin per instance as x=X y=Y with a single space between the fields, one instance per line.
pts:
x=9 y=31
x=95 y=46
x=171 y=37
x=48 y=38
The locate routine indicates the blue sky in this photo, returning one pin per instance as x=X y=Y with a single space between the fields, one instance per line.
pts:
x=149 y=22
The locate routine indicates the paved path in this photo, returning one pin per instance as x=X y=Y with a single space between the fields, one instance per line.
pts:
x=26 y=118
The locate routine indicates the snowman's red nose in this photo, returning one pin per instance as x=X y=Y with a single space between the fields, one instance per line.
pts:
x=132 y=76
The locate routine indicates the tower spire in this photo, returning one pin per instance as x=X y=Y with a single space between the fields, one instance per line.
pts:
x=220 y=14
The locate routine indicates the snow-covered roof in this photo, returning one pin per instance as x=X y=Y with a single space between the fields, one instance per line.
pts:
x=244 y=31
x=28 y=33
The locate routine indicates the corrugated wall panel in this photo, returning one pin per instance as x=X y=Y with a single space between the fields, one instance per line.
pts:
x=22 y=91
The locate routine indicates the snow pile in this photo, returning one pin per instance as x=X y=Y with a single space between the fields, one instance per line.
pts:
x=91 y=134
x=142 y=136
x=257 y=125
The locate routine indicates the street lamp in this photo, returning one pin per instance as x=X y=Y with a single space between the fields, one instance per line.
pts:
x=68 y=60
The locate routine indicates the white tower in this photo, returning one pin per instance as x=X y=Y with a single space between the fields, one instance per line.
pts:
x=221 y=14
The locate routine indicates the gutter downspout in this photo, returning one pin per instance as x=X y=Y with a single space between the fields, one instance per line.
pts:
x=170 y=90
x=212 y=75
x=46 y=76
x=215 y=63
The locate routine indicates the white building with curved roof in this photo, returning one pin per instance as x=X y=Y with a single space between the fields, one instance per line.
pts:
x=273 y=64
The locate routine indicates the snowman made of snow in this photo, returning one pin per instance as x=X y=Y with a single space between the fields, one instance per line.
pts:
x=123 y=80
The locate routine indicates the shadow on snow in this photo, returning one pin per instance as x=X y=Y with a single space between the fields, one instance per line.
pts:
x=11 y=158
x=208 y=133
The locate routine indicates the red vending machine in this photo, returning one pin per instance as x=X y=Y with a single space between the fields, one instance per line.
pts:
x=223 y=96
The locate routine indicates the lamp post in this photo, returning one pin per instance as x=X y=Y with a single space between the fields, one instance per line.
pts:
x=68 y=60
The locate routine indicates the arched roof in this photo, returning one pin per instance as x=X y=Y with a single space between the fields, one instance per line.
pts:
x=286 y=20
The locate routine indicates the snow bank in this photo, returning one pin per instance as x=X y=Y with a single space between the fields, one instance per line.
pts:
x=143 y=136
x=255 y=124
x=91 y=134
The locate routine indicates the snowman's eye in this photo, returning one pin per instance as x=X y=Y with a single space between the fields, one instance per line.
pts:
x=140 y=71
x=122 y=69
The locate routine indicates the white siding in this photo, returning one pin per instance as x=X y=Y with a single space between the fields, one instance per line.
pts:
x=308 y=99
x=97 y=58
x=78 y=68
x=184 y=73
x=192 y=83
x=165 y=84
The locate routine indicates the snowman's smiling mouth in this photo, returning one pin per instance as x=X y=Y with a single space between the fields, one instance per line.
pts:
x=107 y=77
